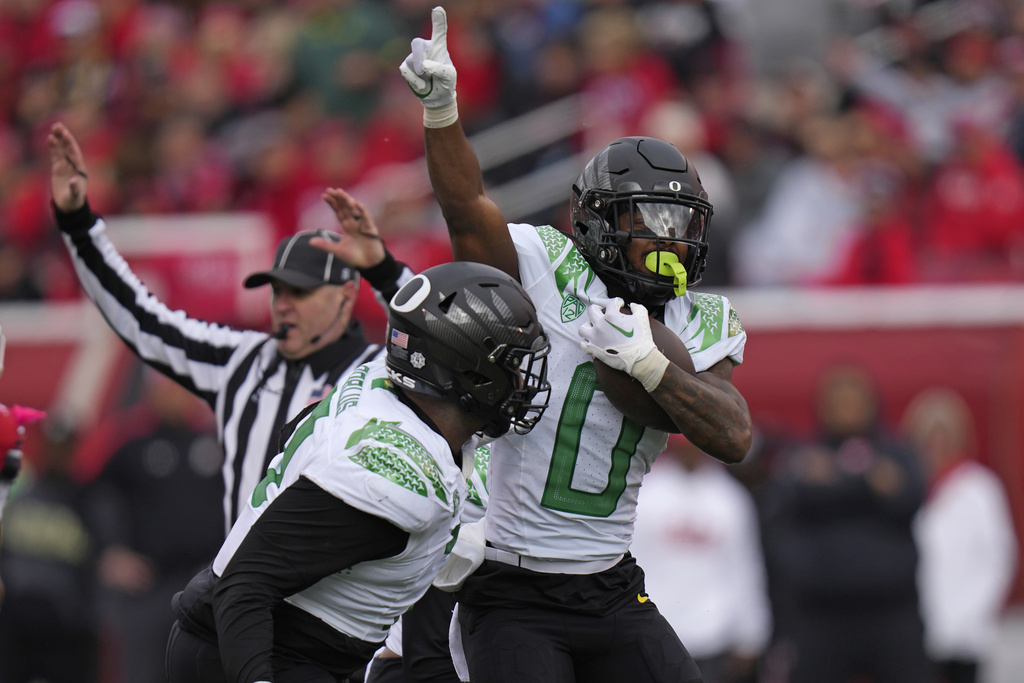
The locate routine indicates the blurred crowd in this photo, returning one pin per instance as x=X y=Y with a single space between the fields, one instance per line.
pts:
x=872 y=549
x=891 y=155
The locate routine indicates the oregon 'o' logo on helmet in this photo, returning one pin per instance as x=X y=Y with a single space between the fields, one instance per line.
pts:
x=469 y=332
x=647 y=181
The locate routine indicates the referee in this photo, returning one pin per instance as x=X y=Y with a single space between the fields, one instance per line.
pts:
x=254 y=381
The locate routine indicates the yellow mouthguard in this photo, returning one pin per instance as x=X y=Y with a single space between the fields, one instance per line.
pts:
x=667 y=263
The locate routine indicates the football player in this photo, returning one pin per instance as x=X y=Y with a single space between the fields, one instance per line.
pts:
x=356 y=515
x=558 y=597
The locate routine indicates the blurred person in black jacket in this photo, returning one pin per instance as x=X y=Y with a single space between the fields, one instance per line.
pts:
x=48 y=626
x=840 y=546
x=165 y=489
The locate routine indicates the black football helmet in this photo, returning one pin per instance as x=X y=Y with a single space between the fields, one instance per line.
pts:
x=469 y=332
x=650 y=181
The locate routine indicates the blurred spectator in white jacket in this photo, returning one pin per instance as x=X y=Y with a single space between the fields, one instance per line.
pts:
x=968 y=549
x=811 y=212
x=697 y=538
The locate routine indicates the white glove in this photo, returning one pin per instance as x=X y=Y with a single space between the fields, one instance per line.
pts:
x=623 y=341
x=465 y=558
x=431 y=75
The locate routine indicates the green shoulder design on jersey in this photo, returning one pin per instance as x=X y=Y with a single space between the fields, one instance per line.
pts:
x=482 y=456
x=735 y=326
x=708 y=324
x=383 y=383
x=568 y=272
x=386 y=460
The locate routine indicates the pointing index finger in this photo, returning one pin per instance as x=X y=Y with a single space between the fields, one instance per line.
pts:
x=438 y=34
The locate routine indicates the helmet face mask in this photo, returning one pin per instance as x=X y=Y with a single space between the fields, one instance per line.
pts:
x=529 y=396
x=640 y=188
x=469 y=333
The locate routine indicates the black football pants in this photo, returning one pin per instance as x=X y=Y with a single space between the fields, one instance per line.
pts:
x=634 y=643
x=426 y=656
x=190 y=659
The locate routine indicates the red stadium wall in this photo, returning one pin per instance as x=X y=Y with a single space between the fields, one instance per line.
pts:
x=970 y=340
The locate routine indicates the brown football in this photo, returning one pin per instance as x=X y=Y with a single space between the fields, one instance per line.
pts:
x=630 y=397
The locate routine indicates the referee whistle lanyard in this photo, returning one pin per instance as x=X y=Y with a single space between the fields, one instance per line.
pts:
x=667 y=263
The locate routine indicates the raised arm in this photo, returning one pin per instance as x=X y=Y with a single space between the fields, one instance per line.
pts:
x=68 y=179
x=476 y=226
x=194 y=353
x=361 y=246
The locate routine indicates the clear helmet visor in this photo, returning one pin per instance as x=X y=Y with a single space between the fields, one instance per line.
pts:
x=667 y=220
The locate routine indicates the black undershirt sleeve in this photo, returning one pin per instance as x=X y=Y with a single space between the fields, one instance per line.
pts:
x=384 y=276
x=77 y=222
x=305 y=535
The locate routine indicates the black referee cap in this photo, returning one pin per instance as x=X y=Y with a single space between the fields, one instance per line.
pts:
x=301 y=265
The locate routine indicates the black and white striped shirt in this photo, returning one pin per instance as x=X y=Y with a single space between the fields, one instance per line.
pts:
x=253 y=390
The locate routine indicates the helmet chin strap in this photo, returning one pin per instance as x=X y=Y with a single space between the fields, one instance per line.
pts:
x=667 y=263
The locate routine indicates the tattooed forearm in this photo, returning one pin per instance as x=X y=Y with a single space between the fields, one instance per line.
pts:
x=708 y=410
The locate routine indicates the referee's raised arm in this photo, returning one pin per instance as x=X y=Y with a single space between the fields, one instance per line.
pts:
x=256 y=381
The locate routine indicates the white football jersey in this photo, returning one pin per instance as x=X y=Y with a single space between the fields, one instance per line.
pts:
x=568 y=490
x=366 y=447
x=472 y=511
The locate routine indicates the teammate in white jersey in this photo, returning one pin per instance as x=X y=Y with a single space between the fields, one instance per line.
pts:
x=354 y=519
x=417 y=648
x=559 y=598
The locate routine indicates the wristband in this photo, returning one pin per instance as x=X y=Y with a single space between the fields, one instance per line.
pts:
x=78 y=220
x=441 y=117
x=384 y=273
x=650 y=369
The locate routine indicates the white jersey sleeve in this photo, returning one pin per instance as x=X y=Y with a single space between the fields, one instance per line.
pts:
x=567 y=491
x=968 y=557
x=472 y=511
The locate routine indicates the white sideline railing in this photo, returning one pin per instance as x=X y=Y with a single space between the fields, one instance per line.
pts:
x=513 y=138
x=533 y=192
